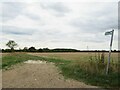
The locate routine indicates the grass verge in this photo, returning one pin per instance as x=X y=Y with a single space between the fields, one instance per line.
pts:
x=15 y=58
x=76 y=72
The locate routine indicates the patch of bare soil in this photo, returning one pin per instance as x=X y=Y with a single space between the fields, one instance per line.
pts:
x=34 y=75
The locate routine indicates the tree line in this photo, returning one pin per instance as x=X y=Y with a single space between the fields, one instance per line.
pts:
x=12 y=45
x=32 y=49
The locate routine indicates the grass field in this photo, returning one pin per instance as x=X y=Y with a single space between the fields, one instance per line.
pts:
x=80 y=66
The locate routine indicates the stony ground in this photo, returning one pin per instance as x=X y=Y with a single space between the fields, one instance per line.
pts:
x=38 y=75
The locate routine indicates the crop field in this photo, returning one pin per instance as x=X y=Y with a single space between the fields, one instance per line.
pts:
x=87 y=67
x=76 y=56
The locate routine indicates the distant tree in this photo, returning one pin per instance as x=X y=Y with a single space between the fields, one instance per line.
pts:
x=20 y=50
x=12 y=44
x=32 y=49
x=40 y=50
x=7 y=50
x=115 y=50
x=25 y=49
x=46 y=49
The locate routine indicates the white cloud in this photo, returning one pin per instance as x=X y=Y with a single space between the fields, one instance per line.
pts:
x=29 y=1
x=22 y=21
x=61 y=24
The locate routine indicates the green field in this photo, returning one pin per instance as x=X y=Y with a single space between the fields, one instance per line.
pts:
x=86 y=67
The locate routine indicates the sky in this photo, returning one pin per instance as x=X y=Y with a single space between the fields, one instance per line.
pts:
x=58 y=24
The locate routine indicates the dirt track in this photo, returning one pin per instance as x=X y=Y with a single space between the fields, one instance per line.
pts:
x=44 y=75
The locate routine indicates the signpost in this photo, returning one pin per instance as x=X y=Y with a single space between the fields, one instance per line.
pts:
x=108 y=63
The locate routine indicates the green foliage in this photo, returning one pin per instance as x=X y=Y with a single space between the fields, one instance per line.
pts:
x=11 y=44
x=75 y=71
x=25 y=49
x=93 y=72
x=32 y=49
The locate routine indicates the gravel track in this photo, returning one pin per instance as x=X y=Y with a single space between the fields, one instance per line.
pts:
x=43 y=75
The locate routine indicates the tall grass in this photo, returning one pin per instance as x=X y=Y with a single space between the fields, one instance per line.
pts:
x=93 y=71
x=97 y=64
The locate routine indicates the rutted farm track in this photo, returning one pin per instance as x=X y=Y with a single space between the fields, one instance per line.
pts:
x=43 y=75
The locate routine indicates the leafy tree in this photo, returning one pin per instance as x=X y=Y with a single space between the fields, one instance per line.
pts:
x=11 y=44
x=25 y=49
x=46 y=49
x=32 y=49
x=40 y=50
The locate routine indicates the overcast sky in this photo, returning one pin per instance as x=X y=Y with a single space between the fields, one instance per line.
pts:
x=59 y=24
